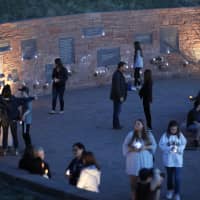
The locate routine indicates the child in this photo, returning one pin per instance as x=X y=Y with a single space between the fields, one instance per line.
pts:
x=173 y=143
x=26 y=116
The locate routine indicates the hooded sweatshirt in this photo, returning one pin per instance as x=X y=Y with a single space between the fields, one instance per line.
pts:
x=89 y=179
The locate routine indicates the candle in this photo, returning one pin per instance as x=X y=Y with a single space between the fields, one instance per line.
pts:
x=190 y=97
x=138 y=144
x=46 y=171
x=68 y=172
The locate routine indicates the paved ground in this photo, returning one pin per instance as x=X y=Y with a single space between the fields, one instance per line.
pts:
x=88 y=119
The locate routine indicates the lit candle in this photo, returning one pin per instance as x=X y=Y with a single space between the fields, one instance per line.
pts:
x=138 y=144
x=190 y=97
x=68 y=172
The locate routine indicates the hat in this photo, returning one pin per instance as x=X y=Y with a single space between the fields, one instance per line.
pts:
x=24 y=89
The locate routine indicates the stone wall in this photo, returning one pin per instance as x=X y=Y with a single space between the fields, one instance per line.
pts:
x=90 y=33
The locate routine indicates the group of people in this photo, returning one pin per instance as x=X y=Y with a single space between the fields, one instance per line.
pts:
x=139 y=146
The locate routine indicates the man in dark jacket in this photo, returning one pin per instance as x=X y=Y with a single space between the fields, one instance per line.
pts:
x=118 y=93
x=59 y=77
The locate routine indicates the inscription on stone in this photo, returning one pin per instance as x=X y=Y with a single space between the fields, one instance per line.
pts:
x=4 y=45
x=144 y=38
x=92 y=32
x=106 y=57
x=66 y=50
x=48 y=72
x=29 y=49
x=169 y=40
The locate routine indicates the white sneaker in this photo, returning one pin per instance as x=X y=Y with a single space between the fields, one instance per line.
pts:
x=177 y=197
x=169 y=194
x=61 y=112
x=52 y=112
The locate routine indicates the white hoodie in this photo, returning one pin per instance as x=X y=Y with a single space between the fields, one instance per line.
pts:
x=89 y=179
x=170 y=158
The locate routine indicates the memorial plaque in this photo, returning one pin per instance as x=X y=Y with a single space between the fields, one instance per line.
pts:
x=144 y=38
x=48 y=72
x=66 y=49
x=92 y=32
x=169 y=39
x=106 y=57
x=4 y=45
x=29 y=49
x=15 y=75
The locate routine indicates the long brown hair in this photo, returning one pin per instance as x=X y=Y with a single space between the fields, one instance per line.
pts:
x=137 y=48
x=148 y=76
x=89 y=159
x=144 y=137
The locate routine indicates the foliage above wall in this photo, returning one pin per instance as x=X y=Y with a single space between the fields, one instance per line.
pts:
x=11 y=10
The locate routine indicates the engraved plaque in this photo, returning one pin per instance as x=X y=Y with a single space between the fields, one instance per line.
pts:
x=106 y=57
x=144 y=38
x=29 y=49
x=66 y=50
x=169 y=39
x=92 y=32
x=4 y=45
x=48 y=72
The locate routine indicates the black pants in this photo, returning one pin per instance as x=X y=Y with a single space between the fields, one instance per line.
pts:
x=26 y=134
x=116 y=112
x=58 y=92
x=147 y=112
x=137 y=76
x=13 y=127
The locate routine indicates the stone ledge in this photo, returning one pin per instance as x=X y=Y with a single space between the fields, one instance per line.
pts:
x=44 y=187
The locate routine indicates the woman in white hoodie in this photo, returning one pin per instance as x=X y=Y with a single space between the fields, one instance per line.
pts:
x=138 y=148
x=90 y=174
x=172 y=144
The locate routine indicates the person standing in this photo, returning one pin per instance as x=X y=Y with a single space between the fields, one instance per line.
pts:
x=118 y=93
x=172 y=144
x=138 y=63
x=146 y=94
x=26 y=117
x=59 y=76
x=138 y=147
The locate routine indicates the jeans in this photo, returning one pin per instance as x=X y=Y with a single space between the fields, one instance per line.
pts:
x=13 y=127
x=116 y=112
x=58 y=92
x=147 y=112
x=26 y=134
x=173 y=179
x=137 y=76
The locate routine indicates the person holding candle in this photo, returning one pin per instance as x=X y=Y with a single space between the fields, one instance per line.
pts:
x=138 y=148
x=90 y=174
x=146 y=95
x=172 y=144
x=59 y=77
x=74 y=169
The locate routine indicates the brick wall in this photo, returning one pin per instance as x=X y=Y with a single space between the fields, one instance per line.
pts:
x=119 y=27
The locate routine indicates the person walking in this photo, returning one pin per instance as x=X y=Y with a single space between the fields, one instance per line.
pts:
x=138 y=147
x=59 y=76
x=118 y=93
x=146 y=95
x=172 y=144
x=138 y=63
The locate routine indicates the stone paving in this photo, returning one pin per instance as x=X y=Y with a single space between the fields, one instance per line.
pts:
x=88 y=117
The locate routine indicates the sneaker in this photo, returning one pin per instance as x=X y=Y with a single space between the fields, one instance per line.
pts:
x=177 y=197
x=169 y=194
x=61 y=112
x=16 y=152
x=52 y=112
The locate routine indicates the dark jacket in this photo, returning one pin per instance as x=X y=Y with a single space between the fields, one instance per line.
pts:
x=119 y=86
x=38 y=166
x=11 y=106
x=25 y=162
x=62 y=75
x=146 y=92
x=75 y=167
x=192 y=116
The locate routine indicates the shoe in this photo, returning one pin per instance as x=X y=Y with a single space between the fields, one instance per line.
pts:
x=177 y=197
x=5 y=152
x=169 y=194
x=16 y=152
x=61 y=112
x=52 y=112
